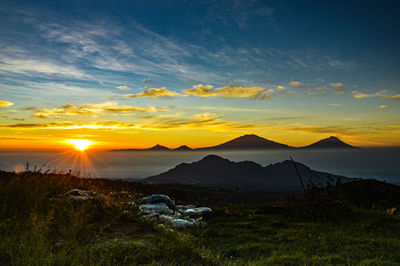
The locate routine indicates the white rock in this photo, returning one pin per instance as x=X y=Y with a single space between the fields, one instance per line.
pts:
x=196 y=212
x=80 y=197
x=155 y=208
x=181 y=223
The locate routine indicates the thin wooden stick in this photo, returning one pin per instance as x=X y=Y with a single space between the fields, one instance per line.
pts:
x=298 y=173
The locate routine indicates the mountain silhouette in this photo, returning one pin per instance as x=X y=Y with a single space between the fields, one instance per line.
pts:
x=156 y=147
x=213 y=170
x=247 y=142
x=253 y=142
x=329 y=143
x=183 y=148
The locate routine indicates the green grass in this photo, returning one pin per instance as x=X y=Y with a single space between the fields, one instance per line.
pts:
x=39 y=227
x=249 y=237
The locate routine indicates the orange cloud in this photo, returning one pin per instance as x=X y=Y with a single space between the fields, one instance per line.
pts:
x=339 y=88
x=69 y=125
x=122 y=88
x=280 y=88
x=294 y=83
x=230 y=91
x=69 y=109
x=202 y=120
x=155 y=93
x=136 y=109
x=5 y=103
x=337 y=85
x=360 y=95
x=384 y=94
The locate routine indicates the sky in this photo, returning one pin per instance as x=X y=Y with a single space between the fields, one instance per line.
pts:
x=137 y=73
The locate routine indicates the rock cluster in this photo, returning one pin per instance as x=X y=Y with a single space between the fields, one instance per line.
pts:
x=157 y=207
x=161 y=208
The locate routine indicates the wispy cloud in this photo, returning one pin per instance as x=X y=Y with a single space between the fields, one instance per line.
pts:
x=154 y=93
x=233 y=109
x=44 y=68
x=280 y=88
x=146 y=54
x=294 y=83
x=69 y=109
x=339 y=88
x=331 y=130
x=385 y=94
x=122 y=88
x=202 y=120
x=19 y=87
x=131 y=109
x=308 y=89
x=231 y=91
x=69 y=125
x=337 y=85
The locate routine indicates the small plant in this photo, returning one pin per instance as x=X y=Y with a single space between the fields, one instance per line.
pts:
x=320 y=203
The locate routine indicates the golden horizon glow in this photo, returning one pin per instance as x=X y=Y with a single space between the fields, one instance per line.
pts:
x=134 y=84
x=80 y=144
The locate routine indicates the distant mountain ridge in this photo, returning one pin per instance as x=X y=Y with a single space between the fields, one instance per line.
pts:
x=254 y=142
x=183 y=148
x=248 y=142
x=213 y=170
x=156 y=147
x=331 y=143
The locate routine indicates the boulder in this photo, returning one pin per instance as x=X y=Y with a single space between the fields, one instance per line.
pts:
x=182 y=224
x=196 y=212
x=160 y=208
x=158 y=198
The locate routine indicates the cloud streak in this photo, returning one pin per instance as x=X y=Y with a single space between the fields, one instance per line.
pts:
x=154 y=93
x=44 y=68
x=384 y=94
x=231 y=91
x=69 y=125
x=5 y=103
x=122 y=88
x=198 y=121
x=88 y=109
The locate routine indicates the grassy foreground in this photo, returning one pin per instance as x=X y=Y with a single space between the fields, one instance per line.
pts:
x=40 y=227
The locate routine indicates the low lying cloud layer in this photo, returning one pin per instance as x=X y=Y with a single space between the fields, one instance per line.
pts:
x=202 y=120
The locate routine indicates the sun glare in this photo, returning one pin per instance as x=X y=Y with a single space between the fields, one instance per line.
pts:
x=80 y=144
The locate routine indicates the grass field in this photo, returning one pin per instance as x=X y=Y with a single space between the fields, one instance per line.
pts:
x=38 y=226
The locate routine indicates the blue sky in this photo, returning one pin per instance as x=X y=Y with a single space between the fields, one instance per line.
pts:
x=314 y=68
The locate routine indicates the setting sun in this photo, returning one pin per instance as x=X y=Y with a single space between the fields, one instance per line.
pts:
x=80 y=144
